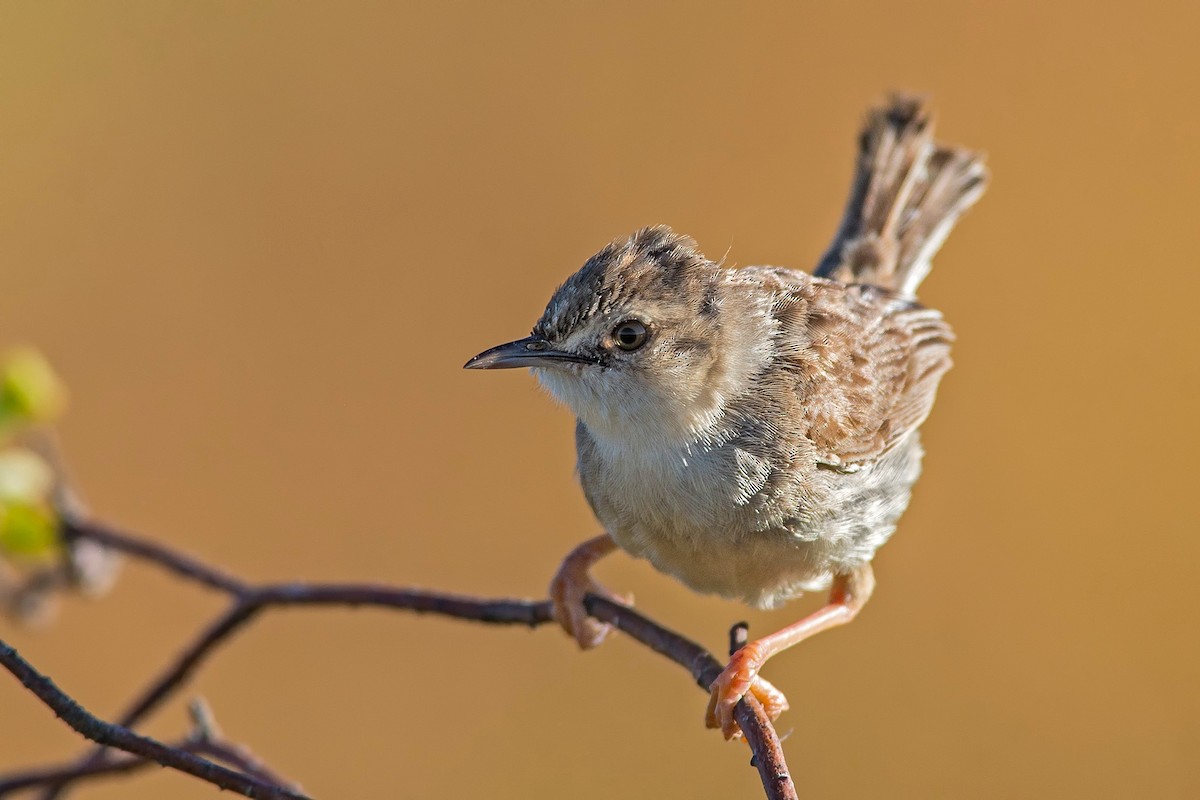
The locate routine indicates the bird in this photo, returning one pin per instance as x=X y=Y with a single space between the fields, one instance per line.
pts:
x=753 y=432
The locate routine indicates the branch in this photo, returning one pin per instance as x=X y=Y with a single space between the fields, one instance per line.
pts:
x=107 y=734
x=74 y=528
x=72 y=772
x=206 y=741
x=249 y=600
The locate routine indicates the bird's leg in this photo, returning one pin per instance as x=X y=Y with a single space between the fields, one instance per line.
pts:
x=572 y=582
x=846 y=597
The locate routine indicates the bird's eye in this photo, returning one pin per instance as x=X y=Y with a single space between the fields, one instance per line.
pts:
x=630 y=335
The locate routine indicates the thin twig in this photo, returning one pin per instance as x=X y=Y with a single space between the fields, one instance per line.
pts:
x=234 y=755
x=207 y=740
x=739 y=634
x=764 y=743
x=216 y=632
x=107 y=734
x=182 y=565
x=74 y=771
x=768 y=752
x=242 y=759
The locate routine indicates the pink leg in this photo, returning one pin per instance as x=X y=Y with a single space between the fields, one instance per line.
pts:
x=572 y=582
x=847 y=596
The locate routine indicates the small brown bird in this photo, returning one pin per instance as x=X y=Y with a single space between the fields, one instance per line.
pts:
x=753 y=432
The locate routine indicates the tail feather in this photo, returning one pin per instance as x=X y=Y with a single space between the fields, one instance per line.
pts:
x=908 y=192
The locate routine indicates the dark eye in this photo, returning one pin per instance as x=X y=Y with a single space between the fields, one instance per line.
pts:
x=630 y=335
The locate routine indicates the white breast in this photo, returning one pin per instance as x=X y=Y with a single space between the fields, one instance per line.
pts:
x=684 y=509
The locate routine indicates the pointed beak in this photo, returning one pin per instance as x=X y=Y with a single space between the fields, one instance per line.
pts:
x=532 y=351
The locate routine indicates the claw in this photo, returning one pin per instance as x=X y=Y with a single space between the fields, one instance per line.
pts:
x=739 y=678
x=567 y=598
x=571 y=584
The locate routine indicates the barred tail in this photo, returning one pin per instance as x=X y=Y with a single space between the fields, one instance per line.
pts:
x=907 y=194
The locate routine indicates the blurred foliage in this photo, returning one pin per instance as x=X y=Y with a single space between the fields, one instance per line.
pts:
x=36 y=565
x=30 y=391
x=28 y=531
x=30 y=394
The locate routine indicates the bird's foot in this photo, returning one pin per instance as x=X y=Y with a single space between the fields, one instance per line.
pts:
x=739 y=678
x=568 y=588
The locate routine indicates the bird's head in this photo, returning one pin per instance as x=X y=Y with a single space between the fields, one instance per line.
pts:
x=637 y=342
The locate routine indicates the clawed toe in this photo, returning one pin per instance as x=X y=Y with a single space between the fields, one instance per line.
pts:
x=737 y=680
x=773 y=701
x=576 y=623
x=571 y=584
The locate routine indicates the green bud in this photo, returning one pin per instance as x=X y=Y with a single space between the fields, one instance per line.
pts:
x=28 y=527
x=28 y=531
x=30 y=391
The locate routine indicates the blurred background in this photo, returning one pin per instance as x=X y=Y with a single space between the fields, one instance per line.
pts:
x=259 y=240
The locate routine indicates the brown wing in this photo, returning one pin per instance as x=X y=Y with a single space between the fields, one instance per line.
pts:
x=867 y=365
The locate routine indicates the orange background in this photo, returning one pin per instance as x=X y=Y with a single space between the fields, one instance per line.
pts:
x=259 y=240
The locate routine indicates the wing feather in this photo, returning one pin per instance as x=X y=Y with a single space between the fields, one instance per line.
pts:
x=865 y=362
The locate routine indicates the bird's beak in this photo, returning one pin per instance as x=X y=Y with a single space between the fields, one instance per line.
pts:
x=532 y=351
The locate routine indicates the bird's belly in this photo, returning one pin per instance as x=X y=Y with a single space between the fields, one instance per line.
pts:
x=684 y=517
x=763 y=568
